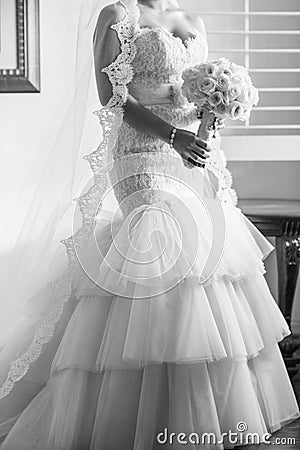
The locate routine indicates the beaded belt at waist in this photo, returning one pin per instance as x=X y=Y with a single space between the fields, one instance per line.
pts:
x=166 y=94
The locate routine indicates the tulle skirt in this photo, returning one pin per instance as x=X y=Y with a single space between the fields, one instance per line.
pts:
x=149 y=348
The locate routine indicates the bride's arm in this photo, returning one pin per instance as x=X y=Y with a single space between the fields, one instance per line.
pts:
x=106 y=49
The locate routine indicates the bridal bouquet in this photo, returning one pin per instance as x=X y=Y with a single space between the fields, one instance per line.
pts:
x=219 y=89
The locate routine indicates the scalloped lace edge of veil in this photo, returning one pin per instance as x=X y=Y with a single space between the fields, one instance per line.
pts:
x=111 y=117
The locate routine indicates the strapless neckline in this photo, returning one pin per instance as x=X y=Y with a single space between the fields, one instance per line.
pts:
x=186 y=43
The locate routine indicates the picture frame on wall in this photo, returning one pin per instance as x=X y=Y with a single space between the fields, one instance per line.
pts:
x=19 y=46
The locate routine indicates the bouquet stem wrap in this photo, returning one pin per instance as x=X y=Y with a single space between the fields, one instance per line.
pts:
x=206 y=129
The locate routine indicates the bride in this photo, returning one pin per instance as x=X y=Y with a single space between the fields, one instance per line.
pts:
x=162 y=327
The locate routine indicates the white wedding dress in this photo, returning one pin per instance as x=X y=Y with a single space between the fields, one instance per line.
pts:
x=148 y=339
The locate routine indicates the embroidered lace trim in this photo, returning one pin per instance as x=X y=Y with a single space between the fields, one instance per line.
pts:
x=120 y=74
x=217 y=165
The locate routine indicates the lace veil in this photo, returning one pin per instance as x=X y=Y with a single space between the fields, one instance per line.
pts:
x=36 y=277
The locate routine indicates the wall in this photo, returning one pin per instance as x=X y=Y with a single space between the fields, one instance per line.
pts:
x=29 y=122
x=270 y=179
x=266 y=179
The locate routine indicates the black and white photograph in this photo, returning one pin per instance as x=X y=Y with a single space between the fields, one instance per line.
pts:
x=150 y=224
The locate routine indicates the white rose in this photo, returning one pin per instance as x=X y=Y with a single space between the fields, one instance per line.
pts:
x=221 y=110
x=226 y=98
x=254 y=96
x=201 y=70
x=223 y=82
x=223 y=63
x=191 y=91
x=211 y=70
x=207 y=85
x=236 y=69
x=245 y=115
x=236 y=110
x=237 y=79
x=215 y=99
x=192 y=72
x=228 y=72
x=244 y=96
x=200 y=101
x=234 y=92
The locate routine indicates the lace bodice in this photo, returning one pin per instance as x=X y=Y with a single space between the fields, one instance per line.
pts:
x=147 y=169
x=142 y=175
x=161 y=57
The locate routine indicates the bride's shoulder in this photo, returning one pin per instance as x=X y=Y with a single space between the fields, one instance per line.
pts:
x=192 y=20
x=110 y=14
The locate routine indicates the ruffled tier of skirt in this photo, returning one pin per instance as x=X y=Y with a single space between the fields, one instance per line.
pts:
x=150 y=343
x=160 y=245
x=190 y=323
x=161 y=305
x=158 y=406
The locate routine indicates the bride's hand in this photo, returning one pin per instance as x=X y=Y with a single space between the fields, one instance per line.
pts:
x=193 y=150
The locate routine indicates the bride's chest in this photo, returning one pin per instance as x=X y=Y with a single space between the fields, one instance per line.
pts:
x=160 y=55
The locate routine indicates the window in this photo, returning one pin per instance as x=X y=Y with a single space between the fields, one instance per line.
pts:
x=264 y=36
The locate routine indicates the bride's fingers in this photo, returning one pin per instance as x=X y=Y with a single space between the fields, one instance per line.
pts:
x=188 y=160
x=202 y=144
x=191 y=158
x=199 y=151
x=198 y=159
x=197 y=164
x=188 y=164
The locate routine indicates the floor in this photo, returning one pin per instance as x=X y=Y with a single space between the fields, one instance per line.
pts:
x=289 y=436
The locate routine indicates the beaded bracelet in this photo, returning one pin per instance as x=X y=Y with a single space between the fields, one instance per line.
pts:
x=172 y=136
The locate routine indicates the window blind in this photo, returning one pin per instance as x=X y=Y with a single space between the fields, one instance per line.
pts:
x=264 y=36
